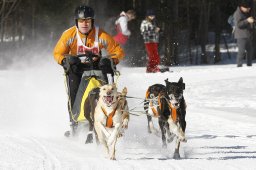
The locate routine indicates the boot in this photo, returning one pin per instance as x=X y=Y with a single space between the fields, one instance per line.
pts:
x=73 y=130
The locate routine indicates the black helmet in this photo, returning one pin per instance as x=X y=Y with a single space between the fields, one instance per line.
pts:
x=83 y=12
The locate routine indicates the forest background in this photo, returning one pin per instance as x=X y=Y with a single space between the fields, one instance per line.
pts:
x=193 y=32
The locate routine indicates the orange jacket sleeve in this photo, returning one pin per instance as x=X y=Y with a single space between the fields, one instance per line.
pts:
x=60 y=49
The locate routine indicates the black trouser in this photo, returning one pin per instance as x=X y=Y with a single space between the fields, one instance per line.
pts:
x=105 y=66
x=73 y=80
x=244 y=45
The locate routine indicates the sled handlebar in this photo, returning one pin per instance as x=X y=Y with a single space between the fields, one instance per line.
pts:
x=89 y=58
x=89 y=55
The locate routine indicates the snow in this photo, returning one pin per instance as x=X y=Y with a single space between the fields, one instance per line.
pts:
x=221 y=121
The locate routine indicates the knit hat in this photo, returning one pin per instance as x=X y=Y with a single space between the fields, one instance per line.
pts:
x=150 y=12
x=246 y=3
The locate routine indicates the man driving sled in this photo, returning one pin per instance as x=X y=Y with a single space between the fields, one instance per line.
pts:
x=84 y=75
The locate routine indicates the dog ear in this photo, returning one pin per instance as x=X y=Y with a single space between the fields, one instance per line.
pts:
x=166 y=81
x=180 y=80
x=181 y=83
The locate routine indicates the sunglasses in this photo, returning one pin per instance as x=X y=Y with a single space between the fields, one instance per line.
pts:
x=84 y=20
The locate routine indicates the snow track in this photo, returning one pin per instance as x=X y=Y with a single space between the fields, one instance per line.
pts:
x=51 y=162
x=26 y=153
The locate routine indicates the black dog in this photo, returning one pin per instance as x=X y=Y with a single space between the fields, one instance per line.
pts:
x=168 y=104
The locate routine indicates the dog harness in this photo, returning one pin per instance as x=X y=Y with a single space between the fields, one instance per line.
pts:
x=173 y=111
x=154 y=110
x=109 y=121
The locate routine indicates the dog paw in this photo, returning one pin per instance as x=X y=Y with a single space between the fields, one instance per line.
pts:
x=124 y=91
x=89 y=139
x=184 y=140
x=176 y=155
x=125 y=124
x=182 y=135
x=120 y=135
x=112 y=158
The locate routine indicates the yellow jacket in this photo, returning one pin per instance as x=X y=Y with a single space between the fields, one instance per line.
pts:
x=67 y=44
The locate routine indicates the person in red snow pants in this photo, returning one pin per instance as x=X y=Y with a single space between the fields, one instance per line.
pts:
x=153 y=57
x=150 y=33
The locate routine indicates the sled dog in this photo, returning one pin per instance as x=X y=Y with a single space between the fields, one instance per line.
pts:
x=167 y=103
x=110 y=117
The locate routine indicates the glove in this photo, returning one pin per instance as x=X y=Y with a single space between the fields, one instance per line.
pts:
x=73 y=60
x=105 y=66
x=64 y=64
x=69 y=63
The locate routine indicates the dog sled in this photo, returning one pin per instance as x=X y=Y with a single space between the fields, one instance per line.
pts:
x=92 y=79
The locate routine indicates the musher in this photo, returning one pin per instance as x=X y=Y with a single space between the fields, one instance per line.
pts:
x=85 y=38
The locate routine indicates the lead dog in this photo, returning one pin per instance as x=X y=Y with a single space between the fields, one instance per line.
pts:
x=167 y=103
x=111 y=116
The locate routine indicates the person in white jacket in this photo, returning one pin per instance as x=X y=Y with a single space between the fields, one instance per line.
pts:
x=121 y=24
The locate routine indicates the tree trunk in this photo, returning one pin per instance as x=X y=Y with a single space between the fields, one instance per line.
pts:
x=2 y=11
x=189 y=32
x=175 y=40
x=33 y=29
x=86 y=2
x=170 y=22
x=203 y=30
x=217 y=57
x=167 y=28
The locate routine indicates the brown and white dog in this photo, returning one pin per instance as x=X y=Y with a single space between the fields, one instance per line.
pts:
x=110 y=117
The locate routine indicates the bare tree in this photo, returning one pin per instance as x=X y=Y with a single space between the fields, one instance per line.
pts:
x=203 y=29
x=7 y=7
x=217 y=57
x=189 y=31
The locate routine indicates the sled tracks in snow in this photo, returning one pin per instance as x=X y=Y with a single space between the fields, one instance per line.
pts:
x=50 y=160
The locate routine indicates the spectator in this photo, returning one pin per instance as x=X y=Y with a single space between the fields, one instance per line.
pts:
x=121 y=24
x=150 y=33
x=243 y=32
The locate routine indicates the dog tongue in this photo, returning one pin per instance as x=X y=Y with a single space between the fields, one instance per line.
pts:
x=109 y=99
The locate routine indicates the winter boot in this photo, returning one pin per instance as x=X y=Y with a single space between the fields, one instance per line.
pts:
x=73 y=129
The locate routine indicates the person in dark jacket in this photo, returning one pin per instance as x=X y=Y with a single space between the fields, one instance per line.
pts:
x=243 y=32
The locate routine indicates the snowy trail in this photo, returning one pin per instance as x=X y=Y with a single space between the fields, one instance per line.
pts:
x=221 y=122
